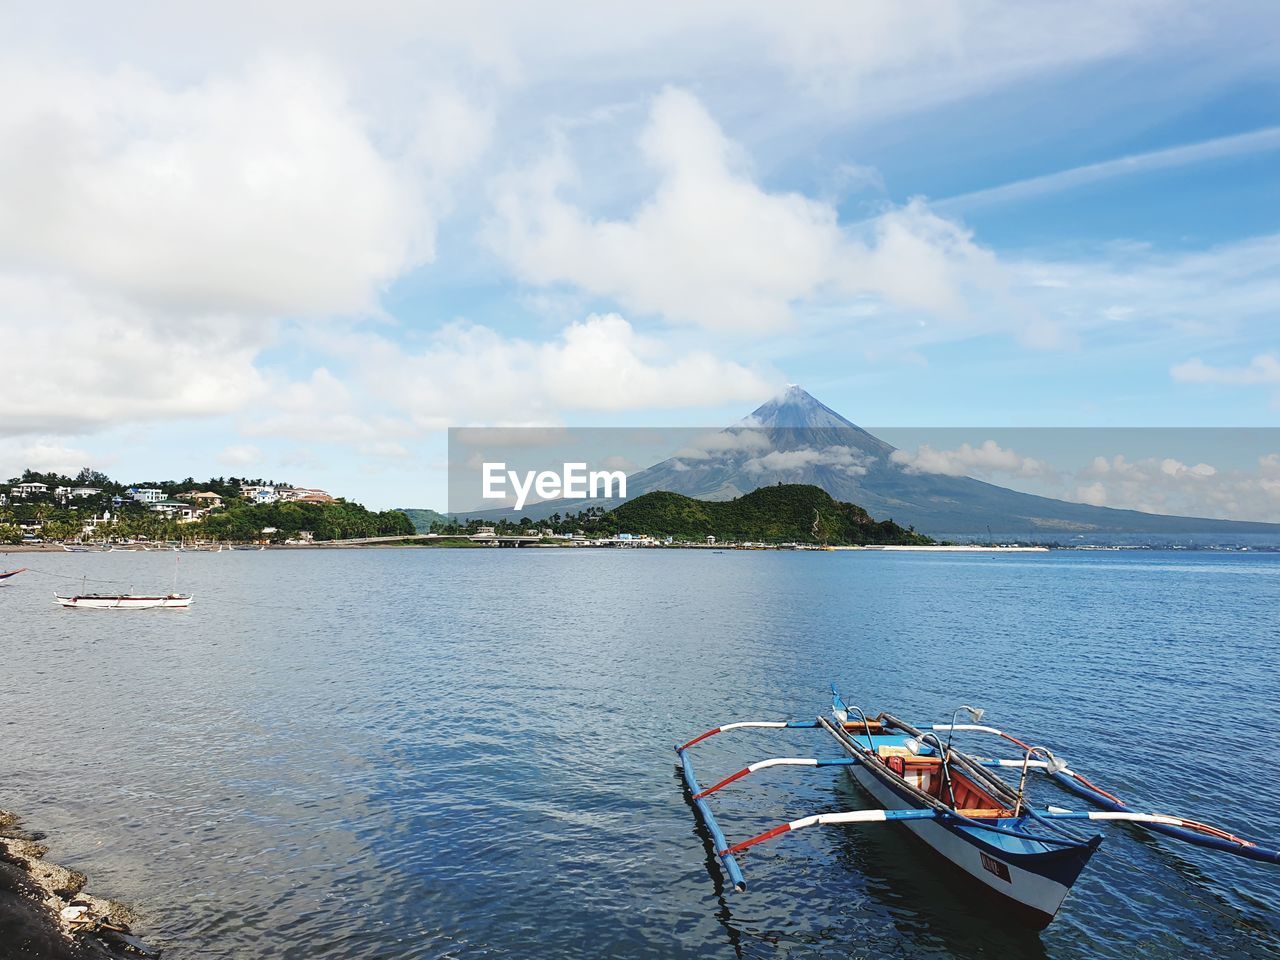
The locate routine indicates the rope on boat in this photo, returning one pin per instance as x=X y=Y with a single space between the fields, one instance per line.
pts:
x=67 y=576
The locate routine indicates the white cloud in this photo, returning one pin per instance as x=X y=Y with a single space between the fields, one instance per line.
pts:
x=1131 y=292
x=469 y=373
x=1263 y=368
x=257 y=192
x=1094 y=494
x=967 y=460
x=712 y=248
x=620 y=462
x=847 y=460
x=868 y=57
x=1265 y=139
x=725 y=441
x=322 y=409
x=509 y=436
x=240 y=455
x=152 y=231
x=91 y=361
x=924 y=261
x=1176 y=468
x=45 y=455
x=1170 y=486
x=170 y=195
x=1164 y=485
x=886 y=56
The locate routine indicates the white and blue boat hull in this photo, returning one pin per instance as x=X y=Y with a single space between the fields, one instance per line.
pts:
x=1035 y=880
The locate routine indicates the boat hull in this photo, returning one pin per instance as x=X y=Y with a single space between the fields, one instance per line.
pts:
x=125 y=603
x=1034 y=884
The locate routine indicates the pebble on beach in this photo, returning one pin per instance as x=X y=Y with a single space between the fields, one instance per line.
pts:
x=43 y=910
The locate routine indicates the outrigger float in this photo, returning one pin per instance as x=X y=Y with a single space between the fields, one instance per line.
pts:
x=957 y=805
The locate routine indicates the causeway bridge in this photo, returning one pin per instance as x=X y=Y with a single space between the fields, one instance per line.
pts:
x=484 y=538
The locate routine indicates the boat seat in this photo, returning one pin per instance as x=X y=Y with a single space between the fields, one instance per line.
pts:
x=909 y=758
x=903 y=752
x=984 y=813
x=857 y=726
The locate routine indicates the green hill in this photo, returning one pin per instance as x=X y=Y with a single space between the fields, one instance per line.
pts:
x=423 y=518
x=786 y=513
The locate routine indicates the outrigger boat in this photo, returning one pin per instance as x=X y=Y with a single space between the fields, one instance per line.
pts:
x=124 y=601
x=956 y=804
x=6 y=574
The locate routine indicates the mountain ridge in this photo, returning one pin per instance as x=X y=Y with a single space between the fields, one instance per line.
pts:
x=794 y=438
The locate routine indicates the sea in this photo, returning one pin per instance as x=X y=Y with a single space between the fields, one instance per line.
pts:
x=416 y=753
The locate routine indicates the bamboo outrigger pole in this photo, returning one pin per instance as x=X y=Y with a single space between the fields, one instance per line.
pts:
x=697 y=794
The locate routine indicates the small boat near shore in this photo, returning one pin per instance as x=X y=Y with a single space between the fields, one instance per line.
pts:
x=125 y=601
x=6 y=574
x=1026 y=857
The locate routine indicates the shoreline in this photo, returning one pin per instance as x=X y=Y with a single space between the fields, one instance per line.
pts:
x=44 y=911
x=437 y=542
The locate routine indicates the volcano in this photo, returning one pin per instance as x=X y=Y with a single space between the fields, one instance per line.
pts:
x=795 y=438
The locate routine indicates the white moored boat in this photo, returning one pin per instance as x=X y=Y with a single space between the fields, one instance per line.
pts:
x=124 y=601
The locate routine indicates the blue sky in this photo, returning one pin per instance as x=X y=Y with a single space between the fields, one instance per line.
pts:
x=301 y=243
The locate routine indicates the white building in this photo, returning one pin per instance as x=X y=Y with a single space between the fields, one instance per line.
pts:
x=28 y=489
x=185 y=512
x=304 y=494
x=146 y=494
x=85 y=491
x=262 y=494
x=92 y=523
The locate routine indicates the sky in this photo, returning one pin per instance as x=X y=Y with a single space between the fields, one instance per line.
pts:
x=300 y=242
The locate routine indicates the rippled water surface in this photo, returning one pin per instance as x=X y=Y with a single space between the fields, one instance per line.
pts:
x=431 y=753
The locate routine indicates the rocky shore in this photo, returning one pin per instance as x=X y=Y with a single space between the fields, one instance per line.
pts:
x=44 y=912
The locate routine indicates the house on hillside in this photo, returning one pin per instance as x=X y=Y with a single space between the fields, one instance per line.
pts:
x=203 y=499
x=305 y=495
x=146 y=494
x=259 y=494
x=185 y=512
x=67 y=493
x=29 y=489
